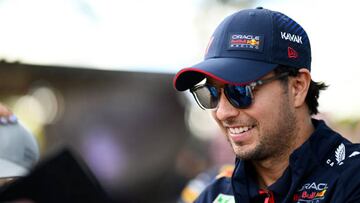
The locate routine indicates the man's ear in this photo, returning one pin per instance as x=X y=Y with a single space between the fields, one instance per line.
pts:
x=299 y=86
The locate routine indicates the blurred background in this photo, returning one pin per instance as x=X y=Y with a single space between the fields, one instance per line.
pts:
x=96 y=76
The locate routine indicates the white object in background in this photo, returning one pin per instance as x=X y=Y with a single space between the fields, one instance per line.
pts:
x=19 y=150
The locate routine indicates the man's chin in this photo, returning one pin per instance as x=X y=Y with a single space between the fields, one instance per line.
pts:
x=249 y=153
x=243 y=153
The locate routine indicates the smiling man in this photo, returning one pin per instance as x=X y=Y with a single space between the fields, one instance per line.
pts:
x=256 y=80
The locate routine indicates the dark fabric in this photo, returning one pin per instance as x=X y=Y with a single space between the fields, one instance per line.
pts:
x=60 y=178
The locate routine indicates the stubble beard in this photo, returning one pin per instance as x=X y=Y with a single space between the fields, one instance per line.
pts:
x=275 y=142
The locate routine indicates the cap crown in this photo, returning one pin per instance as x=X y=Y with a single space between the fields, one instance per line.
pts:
x=261 y=35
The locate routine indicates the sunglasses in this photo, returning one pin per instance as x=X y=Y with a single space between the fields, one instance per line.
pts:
x=240 y=96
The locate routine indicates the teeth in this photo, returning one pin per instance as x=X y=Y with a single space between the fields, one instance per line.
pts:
x=239 y=130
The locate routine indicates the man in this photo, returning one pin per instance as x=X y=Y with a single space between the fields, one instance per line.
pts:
x=19 y=150
x=256 y=81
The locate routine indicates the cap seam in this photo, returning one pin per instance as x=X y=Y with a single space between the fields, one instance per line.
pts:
x=224 y=33
x=271 y=58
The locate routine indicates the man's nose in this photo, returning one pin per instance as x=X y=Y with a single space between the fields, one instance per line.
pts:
x=225 y=109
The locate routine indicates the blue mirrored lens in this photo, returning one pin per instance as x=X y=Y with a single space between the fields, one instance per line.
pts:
x=239 y=96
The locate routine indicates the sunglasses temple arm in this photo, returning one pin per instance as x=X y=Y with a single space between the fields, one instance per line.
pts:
x=250 y=89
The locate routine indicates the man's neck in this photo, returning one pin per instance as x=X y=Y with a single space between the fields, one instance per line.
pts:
x=268 y=171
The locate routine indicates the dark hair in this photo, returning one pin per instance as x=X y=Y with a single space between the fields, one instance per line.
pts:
x=313 y=92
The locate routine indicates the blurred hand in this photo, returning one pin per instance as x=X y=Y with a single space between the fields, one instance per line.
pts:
x=6 y=116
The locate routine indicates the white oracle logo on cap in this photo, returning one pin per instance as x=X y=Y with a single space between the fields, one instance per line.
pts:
x=244 y=36
x=291 y=37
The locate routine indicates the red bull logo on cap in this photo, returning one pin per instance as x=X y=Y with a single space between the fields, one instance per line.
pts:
x=245 y=41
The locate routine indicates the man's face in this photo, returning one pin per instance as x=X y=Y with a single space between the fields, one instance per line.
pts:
x=266 y=129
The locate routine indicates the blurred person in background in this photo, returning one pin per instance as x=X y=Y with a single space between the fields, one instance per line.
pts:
x=19 y=150
x=256 y=81
x=61 y=177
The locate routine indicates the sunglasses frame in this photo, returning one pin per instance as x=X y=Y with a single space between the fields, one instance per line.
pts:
x=249 y=88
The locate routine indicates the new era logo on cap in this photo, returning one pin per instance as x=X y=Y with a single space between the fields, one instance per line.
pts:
x=246 y=46
x=292 y=53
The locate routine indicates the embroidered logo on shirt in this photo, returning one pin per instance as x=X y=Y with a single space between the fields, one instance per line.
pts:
x=355 y=153
x=311 y=192
x=222 y=198
x=340 y=154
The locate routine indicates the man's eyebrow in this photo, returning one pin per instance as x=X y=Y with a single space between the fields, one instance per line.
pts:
x=212 y=82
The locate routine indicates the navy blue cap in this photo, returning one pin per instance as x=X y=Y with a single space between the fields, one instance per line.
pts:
x=246 y=46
